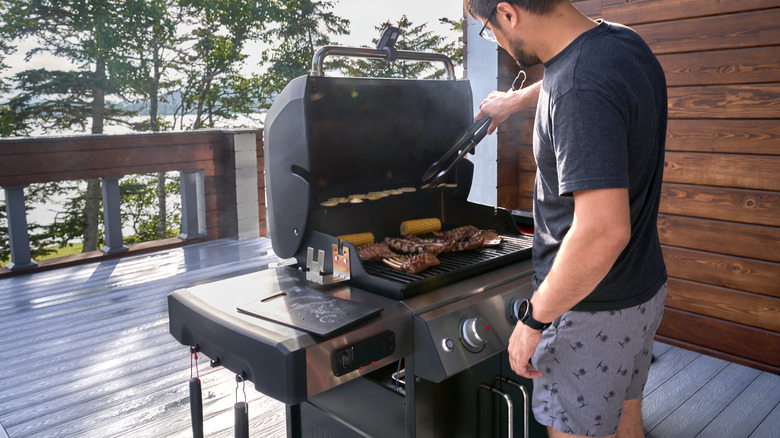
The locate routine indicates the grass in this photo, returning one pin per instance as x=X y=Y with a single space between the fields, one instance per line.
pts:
x=58 y=252
x=62 y=252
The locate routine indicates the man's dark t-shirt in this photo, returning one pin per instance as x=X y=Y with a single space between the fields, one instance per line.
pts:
x=601 y=123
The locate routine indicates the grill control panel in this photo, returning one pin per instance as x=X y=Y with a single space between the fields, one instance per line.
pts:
x=454 y=337
x=363 y=353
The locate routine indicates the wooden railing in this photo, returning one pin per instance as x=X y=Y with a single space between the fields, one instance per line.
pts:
x=222 y=185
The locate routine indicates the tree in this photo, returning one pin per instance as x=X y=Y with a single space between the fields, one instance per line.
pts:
x=139 y=196
x=304 y=26
x=92 y=34
x=412 y=37
x=7 y=117
x=212 y=85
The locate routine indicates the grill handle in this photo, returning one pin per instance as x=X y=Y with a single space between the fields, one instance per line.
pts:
x=525 y=401
x=509 y=408
x=318 y=61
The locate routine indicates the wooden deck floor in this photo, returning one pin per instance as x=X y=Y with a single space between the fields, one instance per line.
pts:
x=87 y=353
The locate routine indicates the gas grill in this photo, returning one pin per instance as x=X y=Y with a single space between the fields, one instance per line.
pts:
x=358 y=348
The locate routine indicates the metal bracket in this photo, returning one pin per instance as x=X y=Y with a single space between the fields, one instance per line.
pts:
x=316 y=268
x=341 y=267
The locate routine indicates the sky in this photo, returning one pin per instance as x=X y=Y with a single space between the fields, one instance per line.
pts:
x=364 y=15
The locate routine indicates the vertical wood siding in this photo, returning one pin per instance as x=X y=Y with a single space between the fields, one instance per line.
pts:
x=720 y=209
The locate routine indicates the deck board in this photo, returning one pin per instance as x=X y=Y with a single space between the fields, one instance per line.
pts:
x=667 y=398
x=88 y=354
x=701 y=408
x=94 y=357
x=747 y=412
x=770 y=426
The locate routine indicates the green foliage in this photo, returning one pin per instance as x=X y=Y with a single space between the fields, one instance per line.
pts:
x=7 y=121
x=138 y=194
x=94 y=36
x=139 y=207
x=42 y=238
x=66 y=101
x=212 y=85
x=304 y=26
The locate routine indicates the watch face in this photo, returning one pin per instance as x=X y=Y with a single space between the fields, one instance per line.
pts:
x=522 y=311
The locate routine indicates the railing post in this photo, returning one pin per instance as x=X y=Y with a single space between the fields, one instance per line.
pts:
x=18 y=236
x=193 y=205
x=247 y=207
x=112 y=216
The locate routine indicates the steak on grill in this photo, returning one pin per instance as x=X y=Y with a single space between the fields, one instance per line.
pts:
x=415 y=245
x=374 y=252
x=413 y=264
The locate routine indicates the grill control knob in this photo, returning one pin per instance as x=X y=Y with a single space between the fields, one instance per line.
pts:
x=474 y=332
x=514 y=309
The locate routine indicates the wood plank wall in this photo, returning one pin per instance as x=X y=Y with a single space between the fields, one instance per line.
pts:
x=720 y=208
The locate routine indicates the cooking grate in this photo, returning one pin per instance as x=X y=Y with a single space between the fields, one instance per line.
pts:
x=454 y=266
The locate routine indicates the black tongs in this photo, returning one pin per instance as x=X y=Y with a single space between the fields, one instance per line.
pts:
x=439 y=170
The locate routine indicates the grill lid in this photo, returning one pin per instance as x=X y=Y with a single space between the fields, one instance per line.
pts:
x=332 y=137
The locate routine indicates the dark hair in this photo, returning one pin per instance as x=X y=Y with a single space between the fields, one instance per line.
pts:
x=484 y=8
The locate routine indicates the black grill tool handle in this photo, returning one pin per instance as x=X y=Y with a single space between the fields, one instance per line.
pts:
x=438 y=171
x=196 y=408
x=241 y=415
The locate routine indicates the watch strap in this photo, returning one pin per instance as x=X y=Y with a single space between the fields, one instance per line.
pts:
x=528 y=320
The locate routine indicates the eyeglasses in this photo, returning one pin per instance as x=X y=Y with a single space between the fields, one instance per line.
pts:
x=487 y=33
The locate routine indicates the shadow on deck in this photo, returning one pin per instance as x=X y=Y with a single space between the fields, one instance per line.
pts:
x=88 y=354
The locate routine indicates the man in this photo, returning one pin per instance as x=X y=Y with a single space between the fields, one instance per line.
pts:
x=600 y=277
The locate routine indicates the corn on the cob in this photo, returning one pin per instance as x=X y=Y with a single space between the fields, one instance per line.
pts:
x=420 y=226
x=358 y=239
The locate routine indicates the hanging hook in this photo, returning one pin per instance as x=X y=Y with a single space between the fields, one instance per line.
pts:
x=241 y=411
x=240 y=379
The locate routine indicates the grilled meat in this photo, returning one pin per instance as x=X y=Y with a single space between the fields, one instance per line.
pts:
x=413 y=264
x=458 y=234
x=404 y=245
x=422 y=251
x=490 y=237
x=375 y=252
x=417 y=245
x=472 y=242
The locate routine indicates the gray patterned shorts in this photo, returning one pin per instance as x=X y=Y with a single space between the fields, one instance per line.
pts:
x=593 y=362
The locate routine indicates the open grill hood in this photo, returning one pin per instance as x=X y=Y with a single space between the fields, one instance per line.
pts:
x=333 y=137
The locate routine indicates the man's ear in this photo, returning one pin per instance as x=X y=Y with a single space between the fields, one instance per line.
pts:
x=508 y=15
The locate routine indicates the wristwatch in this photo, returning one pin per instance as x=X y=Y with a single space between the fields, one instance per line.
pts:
x=524 y=311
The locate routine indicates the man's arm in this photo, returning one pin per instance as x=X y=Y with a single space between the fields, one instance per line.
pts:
x=500 y=105
x=600 y=231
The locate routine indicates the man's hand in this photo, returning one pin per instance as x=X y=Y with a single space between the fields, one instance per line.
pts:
x=500 y=105
x=497 y=105
x=522 y=345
